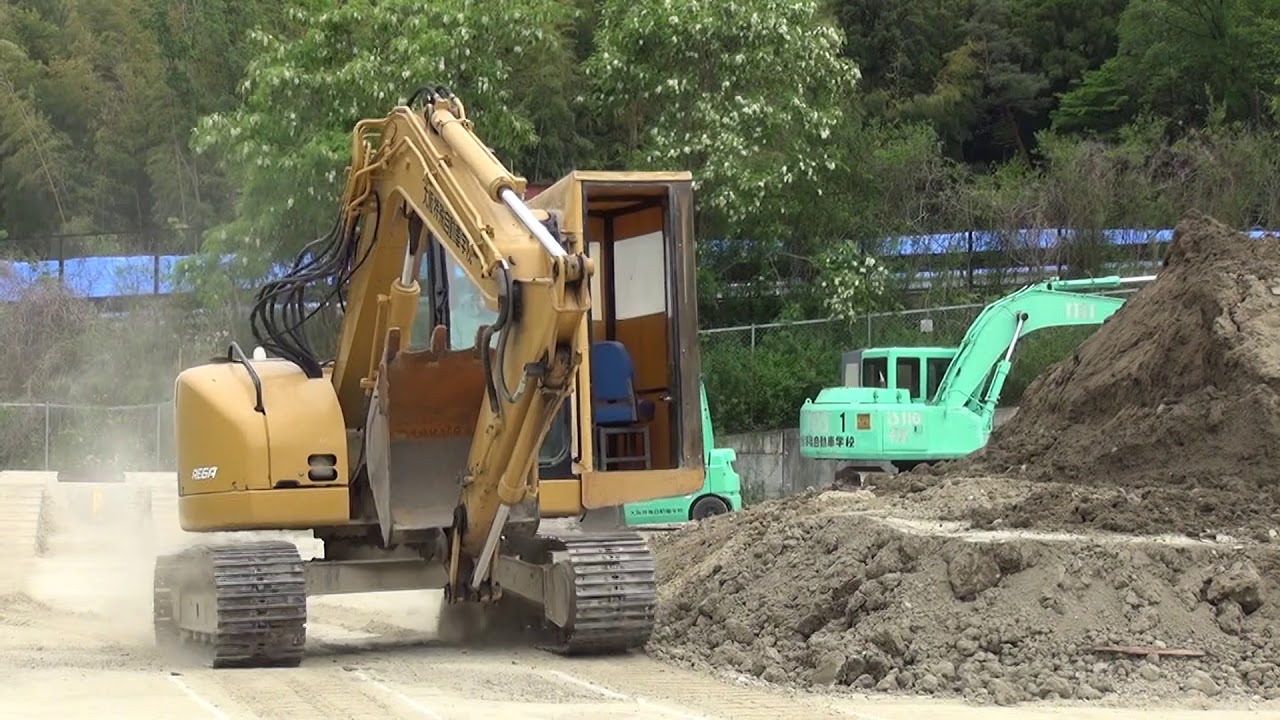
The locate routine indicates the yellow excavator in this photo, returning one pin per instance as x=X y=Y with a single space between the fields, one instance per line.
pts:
x=427 y=460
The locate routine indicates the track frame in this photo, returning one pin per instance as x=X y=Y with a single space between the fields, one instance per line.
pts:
x=244 y=604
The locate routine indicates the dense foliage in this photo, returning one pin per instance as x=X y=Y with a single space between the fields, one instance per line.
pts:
x=217 y=126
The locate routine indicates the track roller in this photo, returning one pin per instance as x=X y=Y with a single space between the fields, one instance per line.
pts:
x=597 y=591
x=242 y=605
x=609 y=583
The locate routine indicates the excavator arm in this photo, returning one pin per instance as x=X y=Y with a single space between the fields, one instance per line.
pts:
x=976 y=376
x=432 y=168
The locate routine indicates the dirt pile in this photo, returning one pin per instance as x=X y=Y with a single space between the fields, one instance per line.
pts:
x=1169 y=413
x=800 y=592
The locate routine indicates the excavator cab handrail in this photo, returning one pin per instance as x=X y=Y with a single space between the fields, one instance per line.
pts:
x=236 y=355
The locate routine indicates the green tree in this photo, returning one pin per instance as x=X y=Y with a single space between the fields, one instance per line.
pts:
x=34 y=156
x=984 y=73
x=1066 y=38
x=853 y=284
x=987 y=92
x=750 y=94
x=1275 y=101
x=900 y=47
x=108 y=90
x=1179 y=59
x=286 y=145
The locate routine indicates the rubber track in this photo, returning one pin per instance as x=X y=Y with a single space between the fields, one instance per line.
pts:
x=616 y=593
x=261 y=603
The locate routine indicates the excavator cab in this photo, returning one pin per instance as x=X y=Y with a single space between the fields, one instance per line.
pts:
x=632 y=430
x=918 y=370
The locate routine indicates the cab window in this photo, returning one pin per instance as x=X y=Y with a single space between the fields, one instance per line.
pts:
x=875 y=373
x=908 y=376
x=937 y=368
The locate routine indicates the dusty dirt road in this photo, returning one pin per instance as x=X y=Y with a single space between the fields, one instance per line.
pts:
x=75 y=642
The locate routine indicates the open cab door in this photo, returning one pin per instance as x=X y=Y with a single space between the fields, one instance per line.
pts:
x=632 y=431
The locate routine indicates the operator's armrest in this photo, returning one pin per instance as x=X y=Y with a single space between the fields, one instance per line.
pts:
x=614 y=414
x=644 y=410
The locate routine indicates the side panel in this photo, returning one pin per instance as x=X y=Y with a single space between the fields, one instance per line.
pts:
x=228 y=477
x=305 y=424
x=688 y=357
x=662 y=510
x=220 y=439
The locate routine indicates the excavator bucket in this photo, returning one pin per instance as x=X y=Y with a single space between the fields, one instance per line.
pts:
x=422 y=416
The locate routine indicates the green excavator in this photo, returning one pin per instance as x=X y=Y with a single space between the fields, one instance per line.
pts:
x=900 y=407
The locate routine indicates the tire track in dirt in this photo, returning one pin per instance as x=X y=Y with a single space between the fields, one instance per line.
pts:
x=293 y=693
x=529 y=682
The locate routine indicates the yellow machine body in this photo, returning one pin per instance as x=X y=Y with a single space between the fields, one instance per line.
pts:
x=241 y=469
x=458 y=406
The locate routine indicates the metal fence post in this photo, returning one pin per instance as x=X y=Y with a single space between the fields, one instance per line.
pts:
x=46 y=437
x=753 y=337
x=159 y=413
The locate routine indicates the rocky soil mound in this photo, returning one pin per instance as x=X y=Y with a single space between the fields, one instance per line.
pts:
x=1169 y=413
x=1166 y=420
x=797 y=593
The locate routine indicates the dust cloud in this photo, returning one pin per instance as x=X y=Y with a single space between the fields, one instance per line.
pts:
x=78 y=573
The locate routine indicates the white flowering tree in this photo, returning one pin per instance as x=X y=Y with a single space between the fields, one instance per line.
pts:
x=288 y=144
x=747 y=94
x=852 y=284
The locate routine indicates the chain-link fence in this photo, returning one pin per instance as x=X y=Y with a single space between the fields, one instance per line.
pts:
x=60 y=437
x=758 y=376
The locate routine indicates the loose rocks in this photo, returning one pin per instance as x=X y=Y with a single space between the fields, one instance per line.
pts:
x=794 y=593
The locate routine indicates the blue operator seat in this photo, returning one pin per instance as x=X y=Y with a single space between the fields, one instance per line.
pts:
x=616 y=411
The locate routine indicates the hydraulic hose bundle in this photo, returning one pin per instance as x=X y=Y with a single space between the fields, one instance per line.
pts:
x=282 y=308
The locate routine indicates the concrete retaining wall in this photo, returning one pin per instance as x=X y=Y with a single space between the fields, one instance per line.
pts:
x=771 y=467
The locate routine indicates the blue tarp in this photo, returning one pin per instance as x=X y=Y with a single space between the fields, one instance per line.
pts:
x=94 y=277
x=126 y=276
x=985 y=240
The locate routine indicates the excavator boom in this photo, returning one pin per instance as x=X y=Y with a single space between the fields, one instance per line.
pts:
x=989 y=343
x=431 y=170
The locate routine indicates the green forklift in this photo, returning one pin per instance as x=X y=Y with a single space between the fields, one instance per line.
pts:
x=721 y=493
